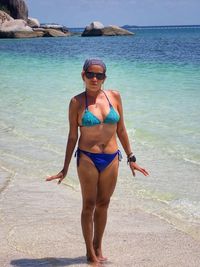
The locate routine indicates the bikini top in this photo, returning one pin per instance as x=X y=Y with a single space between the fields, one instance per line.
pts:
x=89 y=119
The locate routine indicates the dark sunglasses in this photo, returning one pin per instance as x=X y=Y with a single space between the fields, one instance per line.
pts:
x=98 y=75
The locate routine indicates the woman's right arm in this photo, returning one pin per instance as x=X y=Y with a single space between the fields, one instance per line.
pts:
x=71 y=142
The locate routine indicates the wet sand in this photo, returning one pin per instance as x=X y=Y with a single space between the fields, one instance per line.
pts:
x=40 y=226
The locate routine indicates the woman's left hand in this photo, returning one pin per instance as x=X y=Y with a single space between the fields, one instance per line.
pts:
x=134 y=166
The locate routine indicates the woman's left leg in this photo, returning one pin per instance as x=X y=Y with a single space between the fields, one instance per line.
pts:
x=88 y=176
x=106 y=185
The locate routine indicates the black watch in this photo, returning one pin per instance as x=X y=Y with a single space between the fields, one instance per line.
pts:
x=131 y=159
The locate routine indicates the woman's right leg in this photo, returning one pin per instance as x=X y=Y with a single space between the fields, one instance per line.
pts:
x=88 y=177
x=106 y=185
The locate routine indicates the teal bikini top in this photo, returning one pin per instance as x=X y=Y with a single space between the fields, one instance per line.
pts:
x=89 y=119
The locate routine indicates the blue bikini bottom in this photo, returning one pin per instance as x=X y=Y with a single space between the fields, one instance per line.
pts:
x=100 y=160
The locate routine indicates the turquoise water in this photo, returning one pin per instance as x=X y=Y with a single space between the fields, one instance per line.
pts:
x=157 y=72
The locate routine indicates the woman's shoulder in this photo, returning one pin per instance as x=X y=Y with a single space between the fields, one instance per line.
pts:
x=77 y=99
x=113 y=92
x=77 y=102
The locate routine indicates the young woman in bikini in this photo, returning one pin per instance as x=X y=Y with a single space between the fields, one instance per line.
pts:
x=98 y=114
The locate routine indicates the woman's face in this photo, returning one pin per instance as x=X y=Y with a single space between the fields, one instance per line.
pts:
x=94 y=77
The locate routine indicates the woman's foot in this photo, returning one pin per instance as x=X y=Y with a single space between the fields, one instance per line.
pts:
x=100 y=256
x=92 y=258
x=102 y=259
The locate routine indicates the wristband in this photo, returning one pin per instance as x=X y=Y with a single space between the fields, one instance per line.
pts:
x=129 y=155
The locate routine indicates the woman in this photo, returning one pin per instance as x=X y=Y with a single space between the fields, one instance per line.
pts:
x=99 y=116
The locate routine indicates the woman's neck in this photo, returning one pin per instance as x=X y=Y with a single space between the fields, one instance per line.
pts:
x=93 y=93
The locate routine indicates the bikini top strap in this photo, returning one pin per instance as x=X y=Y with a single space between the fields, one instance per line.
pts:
x=86 y=101
x=107 y=98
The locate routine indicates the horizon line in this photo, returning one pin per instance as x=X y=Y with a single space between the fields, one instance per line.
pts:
x=140 y=26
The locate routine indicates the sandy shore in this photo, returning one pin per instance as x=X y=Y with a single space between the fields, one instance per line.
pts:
x=40 y=226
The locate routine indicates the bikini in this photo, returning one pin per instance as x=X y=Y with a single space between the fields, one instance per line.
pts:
x=100 y=160
x=89 y=119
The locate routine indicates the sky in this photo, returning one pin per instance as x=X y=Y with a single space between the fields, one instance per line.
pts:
x=80 y=13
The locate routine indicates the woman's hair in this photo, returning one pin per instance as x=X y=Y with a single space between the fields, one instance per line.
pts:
x=94 y=61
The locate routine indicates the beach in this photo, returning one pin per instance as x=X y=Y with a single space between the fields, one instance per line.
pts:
x=153 y=221
x=40 y=226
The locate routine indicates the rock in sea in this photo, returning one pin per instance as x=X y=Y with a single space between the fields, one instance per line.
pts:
x=33 y=23
x=98 y=29
x=14 y=28
x=7 y=23
x=18 y=28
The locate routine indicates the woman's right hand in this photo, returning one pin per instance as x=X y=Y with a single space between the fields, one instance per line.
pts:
x=60 y=176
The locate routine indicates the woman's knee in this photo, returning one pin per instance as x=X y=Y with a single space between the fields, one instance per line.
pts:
x=88 y=206
x=102 y=203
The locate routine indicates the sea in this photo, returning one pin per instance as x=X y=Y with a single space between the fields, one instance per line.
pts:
x=156 y=71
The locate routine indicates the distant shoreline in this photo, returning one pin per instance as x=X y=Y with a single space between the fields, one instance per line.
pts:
x=146 y=26
x=135 y=27
x=161 y=26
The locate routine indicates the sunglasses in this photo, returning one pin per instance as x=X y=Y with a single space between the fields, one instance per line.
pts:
x=98 y=75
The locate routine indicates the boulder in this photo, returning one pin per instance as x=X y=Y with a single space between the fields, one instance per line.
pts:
x=16 y=8
x=9 y=27
x=21 y=34
x=33 y=23
x=92 y=32
x=55 y=33
x=18 y=28
x=14 y=26
x=94 y=29
x=31 y=34
x=4 y=17
x=111 y=30
x=95 y=25
x=49 y=32
x=55 y=27
x=7 y=23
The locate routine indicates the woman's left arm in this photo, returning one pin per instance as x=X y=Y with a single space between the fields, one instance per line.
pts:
x=124 y=140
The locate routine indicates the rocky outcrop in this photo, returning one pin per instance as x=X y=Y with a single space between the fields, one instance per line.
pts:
x=21 y=34
x=33 y=23
x=55 y=26
x=4 y=17
x=95 y=25
x=14 y=26
x=16 y=8
x=94 y=29
x=8 y=24
x=49 y=32
x=18 y=28
x=55 y=33
x=113 y=30
x=53 y=30
x=98 y=29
